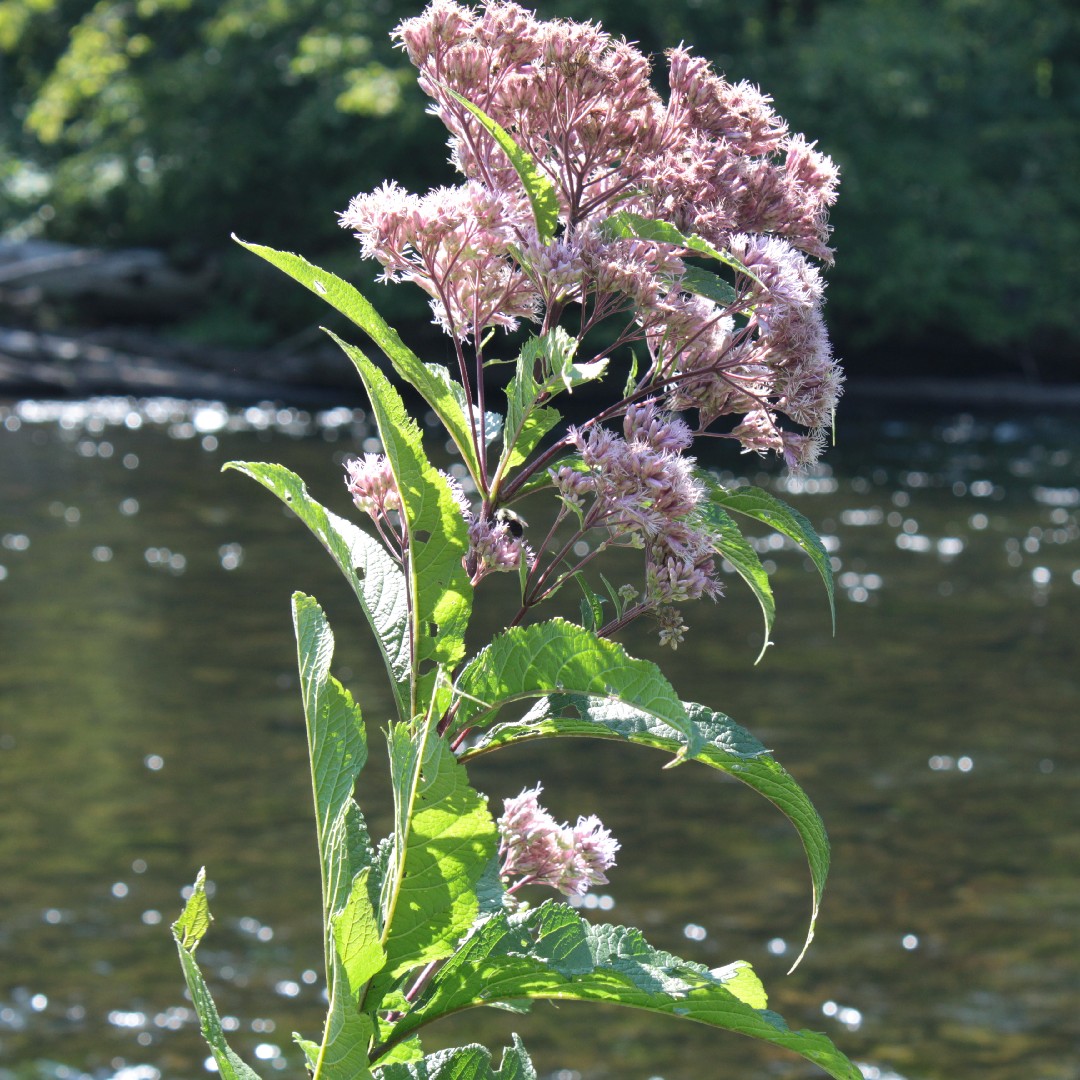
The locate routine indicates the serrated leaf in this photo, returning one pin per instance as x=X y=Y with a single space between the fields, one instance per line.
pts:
x=376 y=579
x=733 y=546
x=759 y=505
x=472 y=1062
x=438 y=537
x=337 y=747
x=187 y=932
x=433 y=382
x=709 y=285
x=557 y=656
x=539 y=189
x=726 y=746
x=356 y=937
x=450 y=839
x=347 y=1037
x=195 y=919
x=551 y=953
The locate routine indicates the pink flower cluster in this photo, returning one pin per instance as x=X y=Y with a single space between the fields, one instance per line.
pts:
x=372 y=485
x=493 y=547
x=537 y=850
x=641 y=488
x=714 y=160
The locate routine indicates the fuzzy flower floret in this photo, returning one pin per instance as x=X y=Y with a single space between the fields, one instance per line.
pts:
x=537 y=850
x=372 y=485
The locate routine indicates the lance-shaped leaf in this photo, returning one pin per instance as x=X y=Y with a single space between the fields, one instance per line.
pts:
x=759 y=505
x=438 y=538
x=337 y=745
x=376 y=579
x=343 y=1054
x=433 y=382
x=539 y=189
x=472 y=1062
x=709 y=285
x=726 y=746
x=729 y=541
x=187 y=932
x=559 y=657
x=357 y=956
x=552 y=953
x=446 y=841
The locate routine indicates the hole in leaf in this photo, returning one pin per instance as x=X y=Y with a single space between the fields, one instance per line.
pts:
x=433 y=629
x=421 y=536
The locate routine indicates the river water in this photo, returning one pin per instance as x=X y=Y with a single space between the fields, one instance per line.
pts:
x=150 y=724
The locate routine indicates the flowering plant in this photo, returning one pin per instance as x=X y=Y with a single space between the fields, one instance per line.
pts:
x=613 y=223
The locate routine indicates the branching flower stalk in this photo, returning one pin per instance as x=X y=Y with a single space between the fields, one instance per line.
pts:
x=590 y=210
x=721 y=174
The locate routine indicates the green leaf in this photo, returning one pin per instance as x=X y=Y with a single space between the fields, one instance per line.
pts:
x=557 y=350
x=337 y=745
x=592 y=606
x=709 y=285
x=450 y=839
x=376 y=579
x=188 y=931
x=551 y=953
x=631 y=375
x=438 y=537
x=539 y=189
x=726 y=746
x=357 y=956
x=759 y=505
x=347 y=1037
x=195 y=919
x=357 y=944
x=472 y=1062
x=556 y=657
x=733 y=546
x=433 y=382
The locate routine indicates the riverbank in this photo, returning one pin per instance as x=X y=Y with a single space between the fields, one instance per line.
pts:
x=140 y=364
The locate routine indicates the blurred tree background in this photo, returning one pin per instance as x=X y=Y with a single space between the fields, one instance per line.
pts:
x=171 y=123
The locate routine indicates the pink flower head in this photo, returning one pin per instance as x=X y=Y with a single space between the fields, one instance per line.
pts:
x=372 y=485
x=537 y=850
x=493 y=546
x=454 y=244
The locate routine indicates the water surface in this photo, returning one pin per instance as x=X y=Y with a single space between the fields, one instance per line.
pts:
x=150 y=724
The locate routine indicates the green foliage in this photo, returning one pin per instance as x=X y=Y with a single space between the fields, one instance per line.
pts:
x=422 y=931
x=146 y=123
x=761 y=506
x=378 y=583
x=533 y=661
x=188 y=931
x=552 y=953
x=432 y=381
